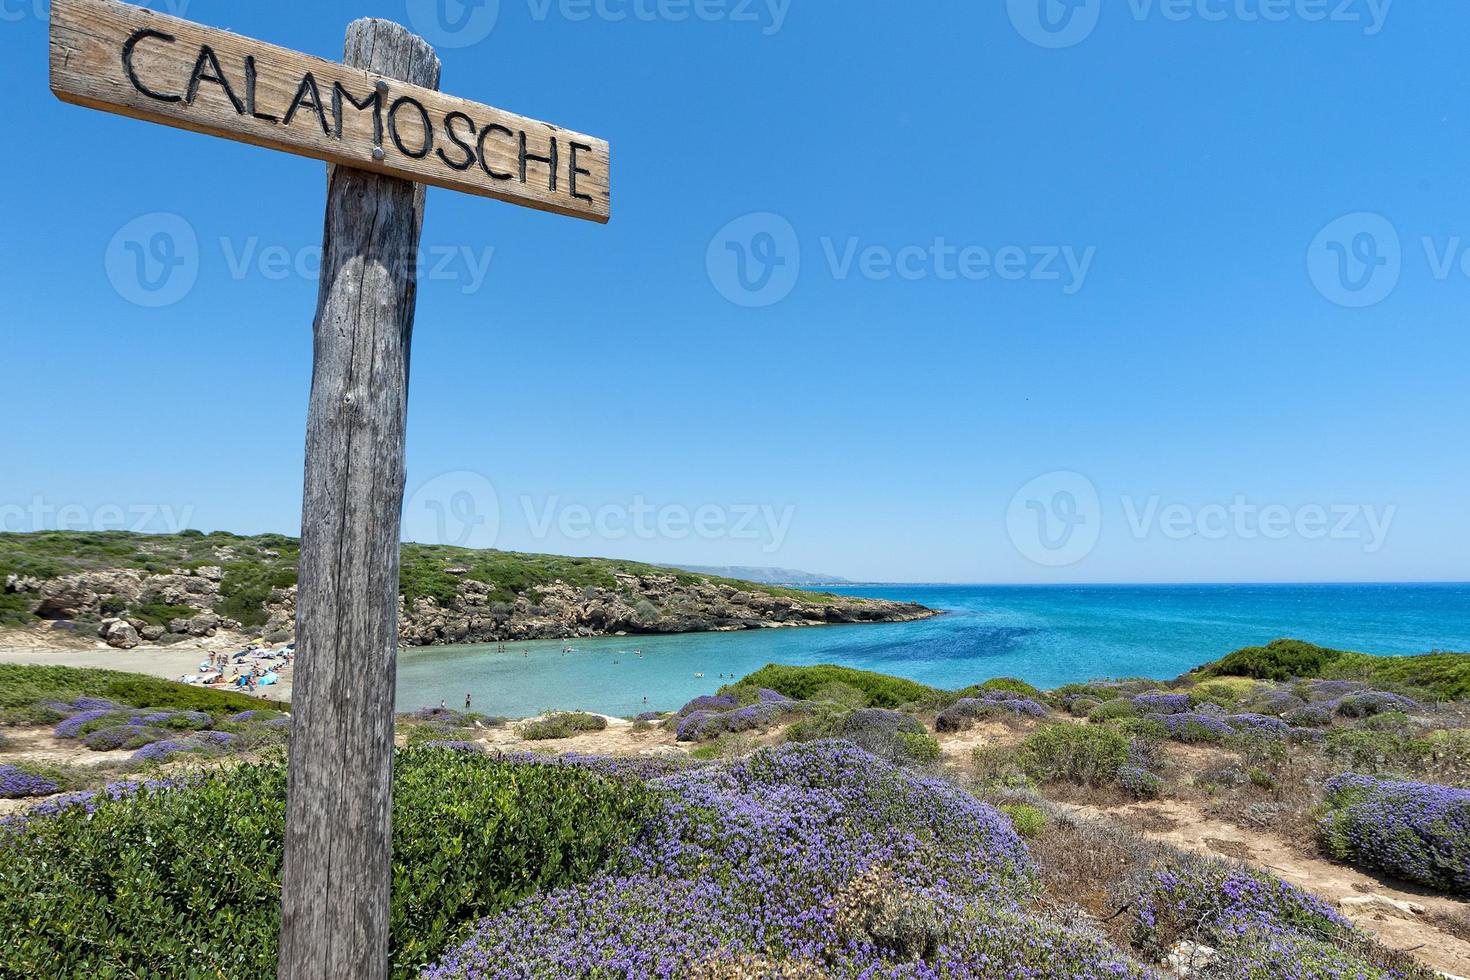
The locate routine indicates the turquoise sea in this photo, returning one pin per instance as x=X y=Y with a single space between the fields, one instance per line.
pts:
x=1048 y=635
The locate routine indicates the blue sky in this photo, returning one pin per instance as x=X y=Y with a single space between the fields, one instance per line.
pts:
x=1252 y=369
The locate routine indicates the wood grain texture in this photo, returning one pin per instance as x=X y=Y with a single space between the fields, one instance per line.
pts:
x=337 y=875
x=99 y=59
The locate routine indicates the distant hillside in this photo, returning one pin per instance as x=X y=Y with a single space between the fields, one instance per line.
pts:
x=764 y=576
x=130 y=589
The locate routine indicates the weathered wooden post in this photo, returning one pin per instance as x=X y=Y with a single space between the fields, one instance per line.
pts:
x=334 y=896
x=385 y=131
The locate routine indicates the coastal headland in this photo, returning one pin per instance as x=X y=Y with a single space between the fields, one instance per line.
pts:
x=66 y=590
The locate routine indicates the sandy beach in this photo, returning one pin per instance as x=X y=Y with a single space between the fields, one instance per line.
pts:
x=170 y=663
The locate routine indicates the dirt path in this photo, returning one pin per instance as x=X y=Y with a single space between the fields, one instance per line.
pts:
x=1185 y=827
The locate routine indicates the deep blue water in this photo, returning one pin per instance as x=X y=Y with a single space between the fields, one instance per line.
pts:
x=1048 y=635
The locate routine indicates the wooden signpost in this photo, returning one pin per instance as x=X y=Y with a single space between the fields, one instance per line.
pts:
x=385 y=130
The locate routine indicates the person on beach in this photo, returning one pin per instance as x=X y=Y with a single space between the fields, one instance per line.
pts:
x=466 y=702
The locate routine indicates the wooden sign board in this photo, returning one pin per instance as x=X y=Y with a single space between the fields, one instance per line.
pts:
x=135 y=62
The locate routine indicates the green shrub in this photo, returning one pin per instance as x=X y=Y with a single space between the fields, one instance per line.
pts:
x=1279 y=660
x=15 y=610
x=1112 y=711
x=802 y=683
x=1372 y=752
x=1083 y=754
x=1441 y=675
x=1226 y=691
x=186 y=882
x=1389 y=721
x=248 y=585
x=841 y=694
x=1027 y=819
x=160 y=613
x=820 y=724
x=563 y=725
x=922 y=749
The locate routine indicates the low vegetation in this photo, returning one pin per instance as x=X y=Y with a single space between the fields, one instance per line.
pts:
x=183 y=878
x=823 y=822
x=562 y=725
x=803 y=683
x=1440 y=676
x=30 y=694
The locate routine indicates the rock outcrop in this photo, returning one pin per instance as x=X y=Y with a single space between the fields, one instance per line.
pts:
x=637 y=604
x=640 y=605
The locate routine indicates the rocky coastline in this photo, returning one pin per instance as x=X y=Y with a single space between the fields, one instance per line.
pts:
x=101 y=604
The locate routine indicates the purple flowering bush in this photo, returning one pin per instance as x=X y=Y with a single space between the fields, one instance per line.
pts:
x=1416 y=831
x=118 y=737
x=815 y=857
x=21 y=781
x=1279 y=703
x=713 y=703
x=991 y=704
x=1194 y=727
x=1140 y=783
x=1365 y=704
x=1310 y=716
x=198 y=743
x=703 y=725
x=1292 y=956
x=77 y=724
x=1163 y=703
x=1263 y=726
x=1218 y=903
